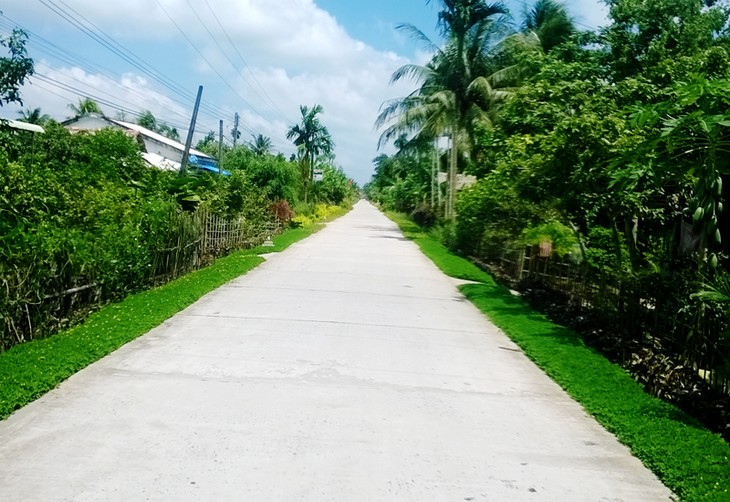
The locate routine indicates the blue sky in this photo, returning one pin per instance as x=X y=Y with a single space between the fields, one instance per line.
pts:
x=260 y=58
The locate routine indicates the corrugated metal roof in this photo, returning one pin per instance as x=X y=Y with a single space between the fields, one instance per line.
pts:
x=157 y=137
x=24 y=126
x=161 y=162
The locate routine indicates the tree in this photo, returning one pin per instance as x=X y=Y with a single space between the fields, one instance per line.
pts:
x=34 y=116
x=148 y=120
x=261 y=145
x=168 y=131
x=86 y=106
x=205 y=142
x=15 y=68
x=549 y=23
x=658 y=38
x=455 y=93
x=312 y=138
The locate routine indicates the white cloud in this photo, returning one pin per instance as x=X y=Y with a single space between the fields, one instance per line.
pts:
x=298 y=53
x=590 y=14
x=130 y=92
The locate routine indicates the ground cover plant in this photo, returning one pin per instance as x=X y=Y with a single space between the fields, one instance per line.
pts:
x=29 y=370
x=689 y=459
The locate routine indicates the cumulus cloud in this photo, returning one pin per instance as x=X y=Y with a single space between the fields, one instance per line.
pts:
x=294 y=52
x=593 y=14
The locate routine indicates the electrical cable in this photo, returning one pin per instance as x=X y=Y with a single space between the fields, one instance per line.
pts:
x=243 y=61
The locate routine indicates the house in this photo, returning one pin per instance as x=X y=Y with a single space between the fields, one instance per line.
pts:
x=157 y=150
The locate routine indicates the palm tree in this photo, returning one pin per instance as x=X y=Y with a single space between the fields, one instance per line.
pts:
x=459 y=17
x=34 y=116
x=312 y=138
x=549 y=24
x=261 y=145
x=85 y=107
x=455 y=92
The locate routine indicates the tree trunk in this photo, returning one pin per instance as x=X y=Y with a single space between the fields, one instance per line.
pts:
x=452 y=177
x=631 y=230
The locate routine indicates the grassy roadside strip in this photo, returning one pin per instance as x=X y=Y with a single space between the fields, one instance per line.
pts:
x=690 y=460
x=29 y=370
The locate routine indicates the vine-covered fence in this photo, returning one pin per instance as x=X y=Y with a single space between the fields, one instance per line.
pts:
x=647 y=316
x=32 y=308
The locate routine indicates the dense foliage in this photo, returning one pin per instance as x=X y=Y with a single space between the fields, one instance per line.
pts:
x=693 y=462
x=600 y=173
x=83 y=219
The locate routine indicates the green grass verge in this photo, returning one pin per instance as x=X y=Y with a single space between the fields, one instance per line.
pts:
x=689 y=459
x=29 y=370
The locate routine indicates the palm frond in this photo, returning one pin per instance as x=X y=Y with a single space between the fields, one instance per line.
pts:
x=414 y=72
x=418 y=36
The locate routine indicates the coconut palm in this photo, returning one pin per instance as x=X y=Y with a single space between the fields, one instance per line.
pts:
x=455 y=93
x=85 y=107
x=549 y=24
x=261 y=145
x=34 y=116
x=312 y=138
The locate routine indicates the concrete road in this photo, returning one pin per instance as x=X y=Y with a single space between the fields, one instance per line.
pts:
x=346 y=368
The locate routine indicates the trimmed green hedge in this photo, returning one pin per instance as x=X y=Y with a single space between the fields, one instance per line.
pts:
x=689 y=459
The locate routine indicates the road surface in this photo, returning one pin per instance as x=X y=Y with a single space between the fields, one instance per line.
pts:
x=346 y=368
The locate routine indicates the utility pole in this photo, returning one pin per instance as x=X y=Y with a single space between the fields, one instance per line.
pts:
x=434 y=174
x=189 y=140
x=220 y=147
x=235 y=128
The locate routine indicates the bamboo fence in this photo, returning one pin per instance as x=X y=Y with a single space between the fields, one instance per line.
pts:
x=193 y=240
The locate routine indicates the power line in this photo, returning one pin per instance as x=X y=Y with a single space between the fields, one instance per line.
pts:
x=75 y=60
x=113 y=46
x=230 y=41
x=124 y=53
x=91 y=30
x=182 y=32
x=114 y=99
x=77 y=92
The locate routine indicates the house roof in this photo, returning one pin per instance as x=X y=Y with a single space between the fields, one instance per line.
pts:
x=138 y=129
x=161 y=162
x=23 y=126
x=156 y=136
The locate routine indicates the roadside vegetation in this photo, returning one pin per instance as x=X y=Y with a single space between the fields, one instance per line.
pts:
x=29 y=370
x=690 y=460
x=84 y=221
x=586 y=169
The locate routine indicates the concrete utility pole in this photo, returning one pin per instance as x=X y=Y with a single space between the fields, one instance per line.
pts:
x=220 y=147
x=434 y=174
x=189 y=140
x=235 y=129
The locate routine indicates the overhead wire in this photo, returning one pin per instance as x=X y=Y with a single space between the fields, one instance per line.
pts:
x=195 y=47
x=76 y=19
x=215 y=40
x=112 y=45
x=125 y=54
x=68 y=57
x=98 y=99
x=243 y=61
x=157 y=76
